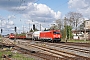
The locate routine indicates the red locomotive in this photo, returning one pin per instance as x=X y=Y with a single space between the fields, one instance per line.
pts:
x=11 y=36
x=53 y=35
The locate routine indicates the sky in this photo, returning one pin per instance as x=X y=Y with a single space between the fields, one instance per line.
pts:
x=24 y=13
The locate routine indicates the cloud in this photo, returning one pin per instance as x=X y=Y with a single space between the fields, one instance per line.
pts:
x=41 y=12
x=6 y=25
x=1 y=18
x=13 y=3
x=82 y=6
x=29 y=10
x=11 y=17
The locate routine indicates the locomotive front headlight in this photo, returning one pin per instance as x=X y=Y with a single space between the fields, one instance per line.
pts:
x=59 y=36
x=54 y=35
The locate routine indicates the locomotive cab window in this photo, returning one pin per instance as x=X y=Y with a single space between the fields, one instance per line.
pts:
x=56 y=32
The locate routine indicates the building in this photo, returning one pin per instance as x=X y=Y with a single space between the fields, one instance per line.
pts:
x=84 y=32
x=87 y=29
x=87 y=24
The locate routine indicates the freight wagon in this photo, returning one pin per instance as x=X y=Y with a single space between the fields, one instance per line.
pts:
x=53 y=35
x=36 y=35
x=29 y=35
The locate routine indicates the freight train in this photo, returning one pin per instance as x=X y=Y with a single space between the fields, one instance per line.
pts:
x=52 y=35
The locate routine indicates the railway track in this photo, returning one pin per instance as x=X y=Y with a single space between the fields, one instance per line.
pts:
x=6 y=43
x=53 y=51
x=82 y=51
x=25 y=50
x=79 y=44
x=42 y=56
x=71 y=47
x=58 y=53
x=47 y=53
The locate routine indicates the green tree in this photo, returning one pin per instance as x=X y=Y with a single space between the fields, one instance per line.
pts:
x=36 y=29
x=69 y=32
x=31 y=30
x=63 y=32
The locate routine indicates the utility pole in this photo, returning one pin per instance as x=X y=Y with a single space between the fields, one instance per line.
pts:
x=65 y=28
x=40 y=27
x=1 y=38
x=1 y=34
x=85 y=30
x=15 y=33
x=70 y=28
x=29 y=26
x=23 y=28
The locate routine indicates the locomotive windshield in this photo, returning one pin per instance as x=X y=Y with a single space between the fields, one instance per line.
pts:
x=12 y=33
x=55 y=32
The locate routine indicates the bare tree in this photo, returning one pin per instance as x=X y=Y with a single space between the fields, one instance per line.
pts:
x=54 y=27
x=74 y=18
x=59 y=23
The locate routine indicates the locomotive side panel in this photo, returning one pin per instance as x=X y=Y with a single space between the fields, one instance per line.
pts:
x=50 y=36
x=46 y=35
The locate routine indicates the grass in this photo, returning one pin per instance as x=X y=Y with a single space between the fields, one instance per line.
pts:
x=16 y=56
x=79 y=41
x=21 y=57
x=4 y=53
x=76 y=41
x=0 y=39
